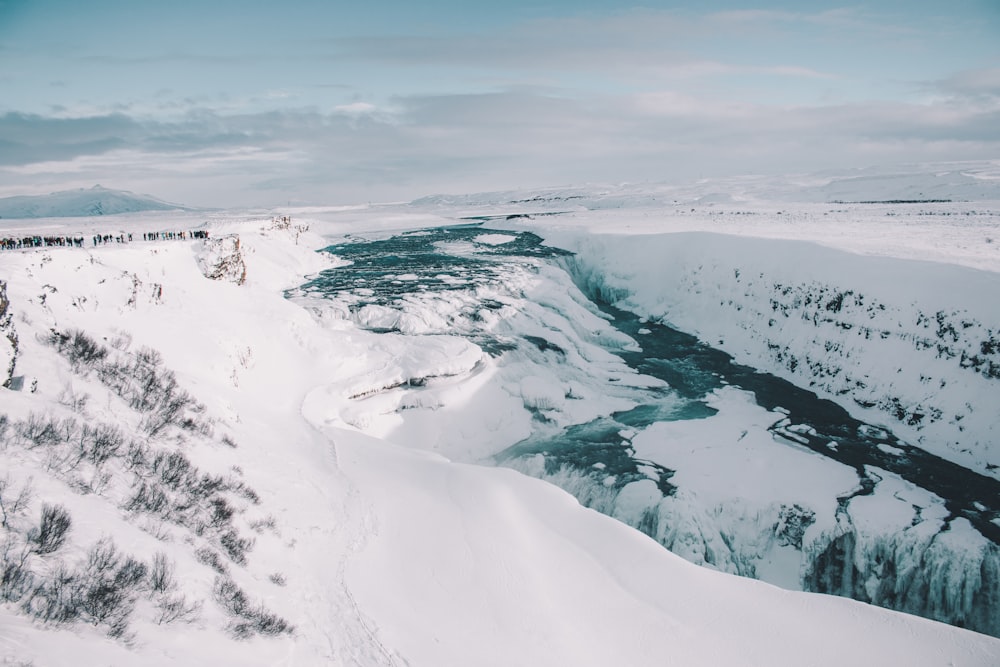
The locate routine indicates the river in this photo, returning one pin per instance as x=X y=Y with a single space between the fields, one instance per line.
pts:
x=387 y=271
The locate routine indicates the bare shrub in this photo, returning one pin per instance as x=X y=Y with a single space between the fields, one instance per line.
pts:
x=247 y=619
x=101 y=443
x=102 y=590
x=157 y=528
x=236 y=547
x=40 y=431
x=109 y=584
x=15 y=576
x=265 y=523
x=173 y=608
x=278 y=579
x=208 y=485
x=136 y=456
x=161 y=574
x=52 y=531
x=168 y=406
x=245 y=491
x=210 y=557
x=168 y=485
x=230 y=596
x=57 y=598
x=148 y=498
x=79 y=349
x=221 y=512
x=13 y=504
x=116 y=376
x=268 y=623
x=139 y=379
x=174 y=470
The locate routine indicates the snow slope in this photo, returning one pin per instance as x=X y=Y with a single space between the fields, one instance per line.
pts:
x=384 y=554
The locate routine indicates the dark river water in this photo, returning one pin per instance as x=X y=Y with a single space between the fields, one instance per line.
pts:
x=384 y=271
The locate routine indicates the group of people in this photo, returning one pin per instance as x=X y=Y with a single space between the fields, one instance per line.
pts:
x=12 y=243
x=101 y=239
x=16 y=243
x=174 y=236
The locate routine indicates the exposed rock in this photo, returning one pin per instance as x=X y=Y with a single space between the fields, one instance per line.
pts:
x=8 y=338
x=222 y=259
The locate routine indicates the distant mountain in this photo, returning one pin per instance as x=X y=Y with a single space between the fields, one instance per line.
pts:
x=84 y=202
x=969 y=181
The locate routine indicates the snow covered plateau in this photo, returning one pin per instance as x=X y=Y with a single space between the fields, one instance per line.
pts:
x=241 y=438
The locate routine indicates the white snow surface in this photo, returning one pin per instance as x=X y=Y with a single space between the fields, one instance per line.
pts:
x=395 y=553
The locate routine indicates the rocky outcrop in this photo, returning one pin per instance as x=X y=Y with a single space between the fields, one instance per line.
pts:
x=222 y=259
x=8 y=338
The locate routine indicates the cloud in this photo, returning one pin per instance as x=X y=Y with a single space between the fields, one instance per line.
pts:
x=460 y=142
x=29 y=138
x=635 y=43
x=976 y=85
x=355 y=109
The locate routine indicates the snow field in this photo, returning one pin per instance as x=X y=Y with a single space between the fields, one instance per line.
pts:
x=393 y=555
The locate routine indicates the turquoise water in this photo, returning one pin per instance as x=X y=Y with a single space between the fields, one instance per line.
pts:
x=441 y=259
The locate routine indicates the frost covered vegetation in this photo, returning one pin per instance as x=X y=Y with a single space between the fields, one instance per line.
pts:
x=137 y=464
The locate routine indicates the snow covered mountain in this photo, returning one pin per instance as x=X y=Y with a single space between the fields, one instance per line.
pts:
x=85 y=202
x=237 y=450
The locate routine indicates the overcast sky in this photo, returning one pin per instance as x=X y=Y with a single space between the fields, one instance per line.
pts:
x=239 y=102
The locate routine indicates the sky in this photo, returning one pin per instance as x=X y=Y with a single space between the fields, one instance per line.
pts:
x=246 y=103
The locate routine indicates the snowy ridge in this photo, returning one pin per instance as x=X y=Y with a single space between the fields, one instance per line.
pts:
x=376 y=554
x=969 y=182
x=974 y=181
x=95 y=201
